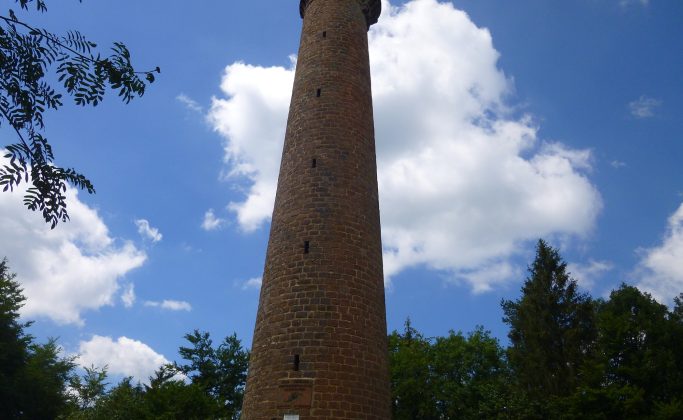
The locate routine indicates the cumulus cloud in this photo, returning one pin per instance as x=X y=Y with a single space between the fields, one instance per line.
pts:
x=463 y=182
x=587 y=274
x=644 y=107
x=253 y=123
x=171 y=305
x=124 y=356
x=147 y=231
x=661 y=267
x=252 y=283
x=211 y=222
x=74 y=268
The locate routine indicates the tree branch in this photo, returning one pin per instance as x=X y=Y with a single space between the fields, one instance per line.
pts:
x=66 y=47
x=21 y=137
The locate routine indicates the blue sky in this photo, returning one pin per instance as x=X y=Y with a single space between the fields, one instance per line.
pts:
x=497 y=123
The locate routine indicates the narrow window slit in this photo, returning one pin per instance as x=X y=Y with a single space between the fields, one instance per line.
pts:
x=317 y=93
x=324 y=34
x=307 y=247
x=296 y=362
x=314 y=163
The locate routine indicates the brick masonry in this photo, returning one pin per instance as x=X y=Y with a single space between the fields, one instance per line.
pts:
x=319 y=346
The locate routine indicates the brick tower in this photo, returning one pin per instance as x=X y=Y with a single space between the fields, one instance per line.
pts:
x=319 y=349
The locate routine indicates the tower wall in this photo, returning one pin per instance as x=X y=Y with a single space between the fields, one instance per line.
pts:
x=319 y=346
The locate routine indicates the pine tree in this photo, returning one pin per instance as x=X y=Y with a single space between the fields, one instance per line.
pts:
x=33 y=377
x=552 y=329
x=13 y=341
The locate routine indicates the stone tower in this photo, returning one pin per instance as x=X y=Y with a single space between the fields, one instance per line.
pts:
x=319 y=349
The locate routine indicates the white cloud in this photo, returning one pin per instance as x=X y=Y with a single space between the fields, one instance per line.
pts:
x=661 y=267
x=189 y=103
x=147 y=231
x=252 y=283
x=462 y=182
x=485 y=276
x=211 y=222
x=644 y=107
x=617 y=164
x=128 y=295
x=124 y=356
x=171 y=305
x=74 y=268
x=587 y=274
x=253 y=123
x=626 y=3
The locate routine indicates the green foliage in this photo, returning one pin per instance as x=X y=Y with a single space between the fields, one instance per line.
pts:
x=669 y=410
x=677 y=313
x=29 y=372
x=570 y=357
x=13 y=341
x=45 y=380
x=169 y=398
x=210 y=385
x=29 y=58
x=89 y=388
x=470 y=376
x=576 y=358
x=124 y=401
x=220 y=372
x=166 y=397
x=638 y=343
x=552 y=329
x=449 y=377
x=412 y=392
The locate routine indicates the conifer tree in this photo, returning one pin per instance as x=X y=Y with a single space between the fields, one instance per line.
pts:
x=552 y=329
x=33 y=377
x=13 y=341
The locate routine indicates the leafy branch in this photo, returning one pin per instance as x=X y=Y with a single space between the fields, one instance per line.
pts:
x=27 y=57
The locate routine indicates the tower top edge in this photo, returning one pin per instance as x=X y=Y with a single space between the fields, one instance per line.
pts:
x=371 y=8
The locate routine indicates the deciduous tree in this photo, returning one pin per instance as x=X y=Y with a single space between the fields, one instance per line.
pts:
x=471 y=376
x=639 y=342
x=413 y=395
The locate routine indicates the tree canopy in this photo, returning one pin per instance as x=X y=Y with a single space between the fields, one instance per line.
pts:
x=569 y=357
x=451 y=377
x=36 y=382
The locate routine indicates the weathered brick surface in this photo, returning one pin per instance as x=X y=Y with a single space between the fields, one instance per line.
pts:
x=322 y=296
